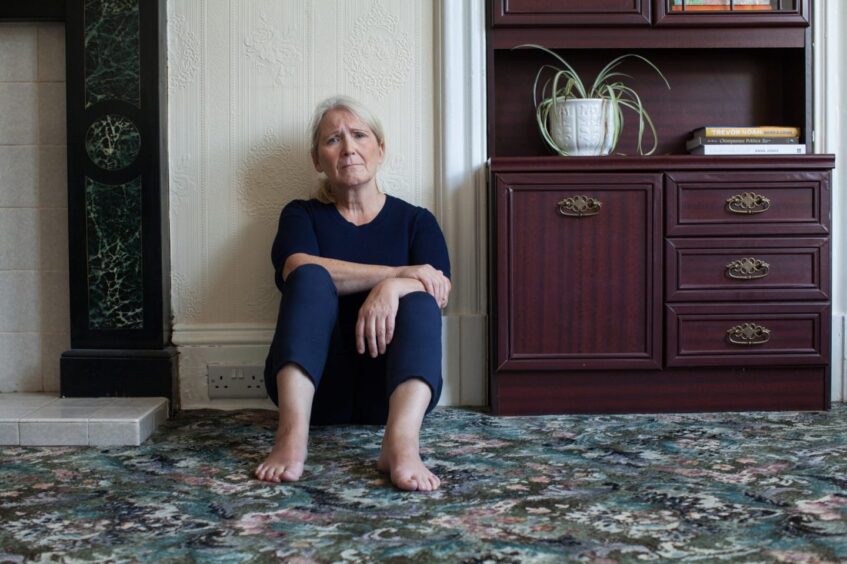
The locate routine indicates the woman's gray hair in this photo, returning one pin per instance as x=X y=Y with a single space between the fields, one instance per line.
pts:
x=324 y=193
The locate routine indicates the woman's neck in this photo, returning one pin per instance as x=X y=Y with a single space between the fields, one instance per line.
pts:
x=359 y=206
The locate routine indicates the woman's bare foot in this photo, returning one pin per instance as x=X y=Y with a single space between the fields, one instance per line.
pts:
x=400 y=458
x=295 y=394
x=285 y=462
x=400 y=454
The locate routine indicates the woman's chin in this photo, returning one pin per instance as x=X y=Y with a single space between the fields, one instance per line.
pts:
x=352 y=182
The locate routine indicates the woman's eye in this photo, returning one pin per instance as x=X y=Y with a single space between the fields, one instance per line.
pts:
x=360 y=134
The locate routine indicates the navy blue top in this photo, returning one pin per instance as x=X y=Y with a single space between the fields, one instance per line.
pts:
x=401 y=234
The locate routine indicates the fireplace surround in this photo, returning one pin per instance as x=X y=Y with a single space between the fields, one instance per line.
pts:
x=117 y=196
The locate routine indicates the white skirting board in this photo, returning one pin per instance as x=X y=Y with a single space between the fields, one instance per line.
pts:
x=463 y=341
x=839 y=358
x=464 y=360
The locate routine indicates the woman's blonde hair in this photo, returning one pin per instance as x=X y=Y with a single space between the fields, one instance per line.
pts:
x=324 y=191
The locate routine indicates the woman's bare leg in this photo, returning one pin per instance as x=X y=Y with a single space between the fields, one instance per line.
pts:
x=295 y=394
x=400 y=454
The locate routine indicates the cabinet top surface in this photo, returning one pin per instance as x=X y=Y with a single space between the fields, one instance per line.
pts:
x=660 y=163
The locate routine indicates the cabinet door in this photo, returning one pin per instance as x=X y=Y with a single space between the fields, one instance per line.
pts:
x=730 y=13
x=571 y=12
x=578 y=271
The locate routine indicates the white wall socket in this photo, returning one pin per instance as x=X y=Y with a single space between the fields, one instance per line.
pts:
x=236 y=381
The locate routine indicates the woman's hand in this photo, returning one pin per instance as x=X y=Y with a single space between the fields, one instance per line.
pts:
x=434 y=282
x=375 y=326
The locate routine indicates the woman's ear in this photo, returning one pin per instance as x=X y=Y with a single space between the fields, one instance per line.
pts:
x=316 y=162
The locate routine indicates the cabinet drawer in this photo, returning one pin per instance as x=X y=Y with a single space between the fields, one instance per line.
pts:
x=747 y=203
x=713 y=269
x=744 y=335
x=570 y=12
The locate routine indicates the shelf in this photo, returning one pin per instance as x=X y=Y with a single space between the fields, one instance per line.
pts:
x=746 y=87
x=649 y=38
x=670 y=162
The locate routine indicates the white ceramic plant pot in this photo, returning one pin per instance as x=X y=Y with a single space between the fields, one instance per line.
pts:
x=583 y=127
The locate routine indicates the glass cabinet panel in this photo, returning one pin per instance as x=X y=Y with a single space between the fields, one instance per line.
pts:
x=695 y=6
x=732 y=13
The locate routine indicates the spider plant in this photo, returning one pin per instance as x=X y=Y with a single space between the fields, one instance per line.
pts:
x=565 y=84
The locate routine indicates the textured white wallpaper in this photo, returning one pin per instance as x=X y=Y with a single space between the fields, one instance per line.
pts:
x=243 y=79
x=244 y=76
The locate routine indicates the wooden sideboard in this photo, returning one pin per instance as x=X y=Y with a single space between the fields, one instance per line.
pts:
x=670 y=282
x=679 y=283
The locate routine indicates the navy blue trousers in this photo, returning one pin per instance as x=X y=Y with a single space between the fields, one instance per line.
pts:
x=317 y=331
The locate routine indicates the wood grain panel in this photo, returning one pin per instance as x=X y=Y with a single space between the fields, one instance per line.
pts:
x=653 y=391
x=579 y=292
x=570 y=12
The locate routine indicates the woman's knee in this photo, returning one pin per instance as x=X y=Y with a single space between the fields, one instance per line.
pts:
x=309 y=274
x=419 y=304
x=418 y=319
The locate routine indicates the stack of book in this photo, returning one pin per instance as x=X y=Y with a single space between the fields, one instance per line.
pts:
x=719 y=5
x=761 y=140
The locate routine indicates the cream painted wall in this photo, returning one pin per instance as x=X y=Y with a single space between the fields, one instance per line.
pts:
x=243 y=79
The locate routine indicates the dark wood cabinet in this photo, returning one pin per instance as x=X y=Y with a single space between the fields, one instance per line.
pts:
x=672 y=282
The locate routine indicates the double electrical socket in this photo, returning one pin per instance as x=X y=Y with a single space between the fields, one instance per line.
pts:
x=236 y=381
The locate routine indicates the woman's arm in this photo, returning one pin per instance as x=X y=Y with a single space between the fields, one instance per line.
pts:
x=353 y=277
x=349 y=277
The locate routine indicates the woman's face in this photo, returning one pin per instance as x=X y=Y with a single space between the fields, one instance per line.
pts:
x=348 y=151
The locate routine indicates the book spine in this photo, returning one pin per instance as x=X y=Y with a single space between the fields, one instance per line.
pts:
x=723 y=3
x=700 y=140
x=763 y=131
x=778 y=149
x=721 y=8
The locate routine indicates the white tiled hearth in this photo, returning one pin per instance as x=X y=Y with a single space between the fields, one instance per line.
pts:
x=47 y=420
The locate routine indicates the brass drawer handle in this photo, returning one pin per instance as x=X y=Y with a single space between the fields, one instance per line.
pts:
x=748 y=203
x=579 y=206
x=747 y=269
x=748 y=334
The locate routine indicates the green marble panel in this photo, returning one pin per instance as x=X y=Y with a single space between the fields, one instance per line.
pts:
x=113 y=232
x=112 y=51
x=112 y=142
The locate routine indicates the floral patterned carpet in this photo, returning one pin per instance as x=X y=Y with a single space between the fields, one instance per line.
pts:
x=751 y=487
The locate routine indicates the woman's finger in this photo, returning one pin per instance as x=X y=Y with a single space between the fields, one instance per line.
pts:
x=380 y=335
x=360 y=334
x=428 y=286
x=389 y=329
x=370 y=334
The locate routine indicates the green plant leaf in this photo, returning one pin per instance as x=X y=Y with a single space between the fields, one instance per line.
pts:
x=564 y=83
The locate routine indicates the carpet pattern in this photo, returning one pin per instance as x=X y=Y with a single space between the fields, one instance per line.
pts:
x=757 y=487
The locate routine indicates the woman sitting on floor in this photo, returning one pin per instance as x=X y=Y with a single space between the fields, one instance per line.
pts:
x=363 y=277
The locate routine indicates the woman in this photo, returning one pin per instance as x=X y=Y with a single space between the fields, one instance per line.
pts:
x=363 y=277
